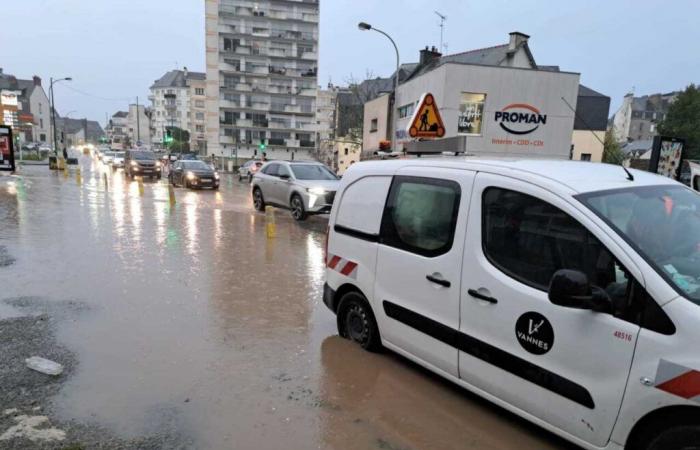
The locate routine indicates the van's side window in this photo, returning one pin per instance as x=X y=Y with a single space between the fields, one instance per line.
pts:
x=529 y=240
x=421 y=215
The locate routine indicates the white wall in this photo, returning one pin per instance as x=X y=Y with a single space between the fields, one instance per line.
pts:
x=503 y=86
x=375 y=109
x=41 y=114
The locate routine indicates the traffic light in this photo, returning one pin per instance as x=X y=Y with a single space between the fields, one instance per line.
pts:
x=168 y=137
x=262 y=144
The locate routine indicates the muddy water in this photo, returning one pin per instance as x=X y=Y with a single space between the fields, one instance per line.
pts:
x=199 y=323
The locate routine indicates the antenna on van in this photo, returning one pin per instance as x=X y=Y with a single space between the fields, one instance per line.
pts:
x=629 y=175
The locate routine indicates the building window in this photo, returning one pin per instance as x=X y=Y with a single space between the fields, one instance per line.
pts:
x=41 y=123
x=471 y=111
x=652 y=128
x=199 y=104
x=198 y=91
x=199 y=128
x=199 y=116
x=406 y=110
x=42 y=137
x=39 y=107
x=373 y=126
x=585 y=156
x=346 y=150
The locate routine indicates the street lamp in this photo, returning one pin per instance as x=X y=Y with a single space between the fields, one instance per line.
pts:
x=53 y=110
x=364 y=26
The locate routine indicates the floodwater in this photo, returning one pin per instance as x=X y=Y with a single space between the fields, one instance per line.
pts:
x=197 y=322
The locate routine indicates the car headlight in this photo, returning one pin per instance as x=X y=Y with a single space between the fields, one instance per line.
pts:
x=190 y=175
x=158 y=164
x=316 y=190
x=134 y=163
x=216 y=175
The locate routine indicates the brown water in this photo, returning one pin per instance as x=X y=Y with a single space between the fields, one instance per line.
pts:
x=200 y=323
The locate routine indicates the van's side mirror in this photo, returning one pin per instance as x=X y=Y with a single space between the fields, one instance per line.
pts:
x=571 y=289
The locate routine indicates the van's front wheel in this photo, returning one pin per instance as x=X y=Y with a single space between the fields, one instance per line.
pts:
x=356 y=322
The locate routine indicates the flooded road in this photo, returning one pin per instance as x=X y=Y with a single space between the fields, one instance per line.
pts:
x=198 y=324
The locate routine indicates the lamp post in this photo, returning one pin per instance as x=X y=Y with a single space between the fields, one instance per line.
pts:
x=53 y=110
x=363 y=26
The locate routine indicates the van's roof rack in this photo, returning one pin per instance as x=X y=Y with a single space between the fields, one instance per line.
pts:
x=455 y=145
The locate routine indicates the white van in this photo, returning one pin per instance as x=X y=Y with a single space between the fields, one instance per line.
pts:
x=566 y=292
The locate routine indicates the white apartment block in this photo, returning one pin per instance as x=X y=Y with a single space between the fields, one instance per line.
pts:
x=178 y=100
x=262 y=59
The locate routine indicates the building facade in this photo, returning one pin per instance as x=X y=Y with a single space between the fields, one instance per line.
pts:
x=638 y=117
x=262 y=60
x=25 y=107
x=178 y=100
x=139 y=125
x=117 y=131
x=590 y=125
x=494 y=101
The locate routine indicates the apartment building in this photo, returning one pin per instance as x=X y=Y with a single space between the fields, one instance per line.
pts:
x=637 y=118
x=178 y=100
x=262 y=59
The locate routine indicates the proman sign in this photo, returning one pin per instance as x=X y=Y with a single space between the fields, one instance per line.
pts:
x=520 y=118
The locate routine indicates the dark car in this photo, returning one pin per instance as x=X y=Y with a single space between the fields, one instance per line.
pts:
x=141 y=163
x=193 y=174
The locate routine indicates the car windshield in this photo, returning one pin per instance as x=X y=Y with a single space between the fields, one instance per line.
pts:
x=195 y=165
x=663 y=224
x=312 y=172
x=119 y=154
x=143 y=155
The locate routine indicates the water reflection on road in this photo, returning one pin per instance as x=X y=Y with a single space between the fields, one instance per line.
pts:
x=200 y=323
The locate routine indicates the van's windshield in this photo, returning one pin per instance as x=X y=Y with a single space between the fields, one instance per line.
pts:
x=662 y=223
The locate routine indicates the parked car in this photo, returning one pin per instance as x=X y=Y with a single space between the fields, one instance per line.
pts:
x=117 y=161
x=555 y=289
x=193 y=174
x=248 y=169
x=303 y=187
x=141 y=163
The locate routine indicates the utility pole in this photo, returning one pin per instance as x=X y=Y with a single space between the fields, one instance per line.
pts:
x=443 y=18
x=138 y=123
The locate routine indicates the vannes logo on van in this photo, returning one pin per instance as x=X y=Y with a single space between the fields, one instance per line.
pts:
x=520 y=118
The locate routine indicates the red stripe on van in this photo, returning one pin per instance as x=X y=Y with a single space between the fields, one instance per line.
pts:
x=334 y=261
x=349 y=267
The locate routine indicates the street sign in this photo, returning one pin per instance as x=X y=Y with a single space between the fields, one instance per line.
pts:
x=426 y=121
x=7 y=149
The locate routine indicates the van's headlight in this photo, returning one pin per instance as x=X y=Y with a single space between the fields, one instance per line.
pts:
x=316 y=190
x=190 y=175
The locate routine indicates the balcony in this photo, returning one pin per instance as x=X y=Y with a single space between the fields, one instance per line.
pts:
x=260 y=123
x=292 y=108
x=276 y=141
x=243 y=87
x=227 y=139
x=229 y=104
x=279 y=89
x=308 y=55
x=244 y=123
x=291 y=143
x=280 y=126
x=258 y=70
x=309 y=92
x=258 y=105
x=307 y=144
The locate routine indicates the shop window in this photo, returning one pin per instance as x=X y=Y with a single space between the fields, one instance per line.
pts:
x=471 y=111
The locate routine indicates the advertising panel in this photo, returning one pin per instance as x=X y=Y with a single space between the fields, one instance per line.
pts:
x=667 y=156
x=7 y=151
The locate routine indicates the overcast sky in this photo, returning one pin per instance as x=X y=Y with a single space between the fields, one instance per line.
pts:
x=115 y=49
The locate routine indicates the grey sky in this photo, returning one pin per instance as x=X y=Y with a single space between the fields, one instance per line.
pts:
x=115 y=49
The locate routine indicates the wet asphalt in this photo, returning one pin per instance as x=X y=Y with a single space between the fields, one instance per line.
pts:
x=186 y=327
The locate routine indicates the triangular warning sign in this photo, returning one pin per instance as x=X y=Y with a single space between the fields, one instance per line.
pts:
x=426 y=121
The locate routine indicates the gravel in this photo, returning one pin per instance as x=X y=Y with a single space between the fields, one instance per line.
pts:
x=27 y=416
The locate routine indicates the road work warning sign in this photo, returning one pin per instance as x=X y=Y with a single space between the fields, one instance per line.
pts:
x=426 y=121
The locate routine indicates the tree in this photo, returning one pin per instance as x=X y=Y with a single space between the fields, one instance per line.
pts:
x=612 y=153
x=683 y=121
x=181 y=139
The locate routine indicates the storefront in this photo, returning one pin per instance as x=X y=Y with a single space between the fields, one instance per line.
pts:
x=499 y=111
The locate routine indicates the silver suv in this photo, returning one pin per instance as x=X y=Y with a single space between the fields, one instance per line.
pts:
x=303 y=187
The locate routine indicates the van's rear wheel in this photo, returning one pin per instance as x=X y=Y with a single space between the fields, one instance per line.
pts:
x=356 y=322
x=686 y=437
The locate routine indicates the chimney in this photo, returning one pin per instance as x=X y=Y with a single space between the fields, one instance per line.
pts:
x=185 y=70
x=428 y=54
x=37 y=80
x=517 y=39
